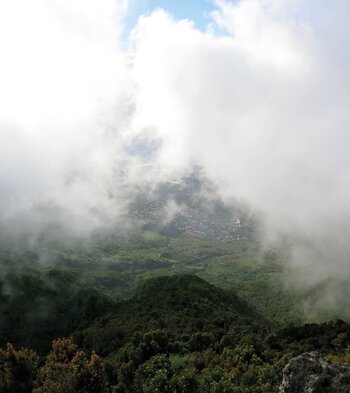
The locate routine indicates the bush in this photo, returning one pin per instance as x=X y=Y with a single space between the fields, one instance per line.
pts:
x=18 y=370
x=68 y=370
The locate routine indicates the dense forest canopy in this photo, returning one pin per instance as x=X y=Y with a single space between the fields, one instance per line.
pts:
x=175 y=334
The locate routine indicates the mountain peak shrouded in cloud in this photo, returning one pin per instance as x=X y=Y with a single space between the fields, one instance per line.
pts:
x=259 y=100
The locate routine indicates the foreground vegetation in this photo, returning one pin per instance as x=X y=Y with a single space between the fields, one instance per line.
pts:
x=175 y=334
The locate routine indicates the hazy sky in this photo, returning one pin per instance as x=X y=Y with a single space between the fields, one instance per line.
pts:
x=255 y=91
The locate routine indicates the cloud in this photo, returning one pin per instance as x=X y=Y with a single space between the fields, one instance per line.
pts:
x=259 y=100
x=63 y=108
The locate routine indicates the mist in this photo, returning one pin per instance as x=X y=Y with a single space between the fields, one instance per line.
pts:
x=259 y=101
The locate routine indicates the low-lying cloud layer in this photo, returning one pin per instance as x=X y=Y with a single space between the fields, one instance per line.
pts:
x=259 y=100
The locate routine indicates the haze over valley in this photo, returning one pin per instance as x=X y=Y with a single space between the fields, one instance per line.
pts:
x=174 y=192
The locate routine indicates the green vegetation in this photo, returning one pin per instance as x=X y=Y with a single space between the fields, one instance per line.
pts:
x=164 y=314
x=175 y=334
x=115 y=264
x=37 y=307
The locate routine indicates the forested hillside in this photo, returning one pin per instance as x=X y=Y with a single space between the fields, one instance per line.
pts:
x=147 y=308
x=175 y=334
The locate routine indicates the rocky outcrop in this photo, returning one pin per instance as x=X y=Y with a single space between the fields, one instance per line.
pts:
x=313 y=373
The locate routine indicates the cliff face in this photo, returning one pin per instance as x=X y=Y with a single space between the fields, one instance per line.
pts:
x=312 y=373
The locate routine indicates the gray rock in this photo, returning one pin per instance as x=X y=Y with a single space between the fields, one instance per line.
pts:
x=313 y=373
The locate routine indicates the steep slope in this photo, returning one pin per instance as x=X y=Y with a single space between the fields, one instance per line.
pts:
x=37 y=307
x=178 y=304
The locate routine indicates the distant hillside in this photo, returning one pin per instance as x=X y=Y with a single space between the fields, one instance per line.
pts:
x=191 y=205
x=187 y=291
x=36 y=307
x=175 y=334
x=180 y=304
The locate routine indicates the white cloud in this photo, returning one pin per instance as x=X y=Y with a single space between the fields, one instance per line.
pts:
x=262 y=107
x=259 y=100
x=62 y=80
